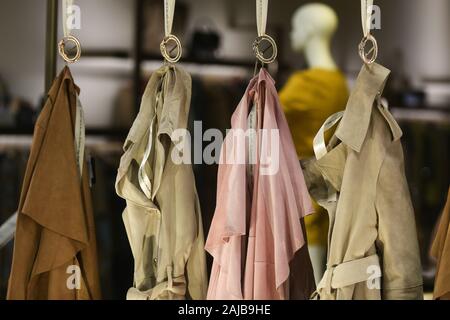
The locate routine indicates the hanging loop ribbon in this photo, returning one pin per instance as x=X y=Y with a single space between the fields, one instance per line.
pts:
x=261 y=22
x=262 y=7
x=66 y=5
x=169 y=10
x=366 y=16
x=366 y=20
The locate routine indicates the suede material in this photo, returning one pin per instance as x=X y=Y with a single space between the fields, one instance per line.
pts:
x=441 y=251
x=371 y=211
x=55 y=226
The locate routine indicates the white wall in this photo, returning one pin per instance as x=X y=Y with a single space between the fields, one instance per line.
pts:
x=22 y=30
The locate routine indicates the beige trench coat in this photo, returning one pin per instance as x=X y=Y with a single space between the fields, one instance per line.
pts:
x=162 y=217
x=373 y=250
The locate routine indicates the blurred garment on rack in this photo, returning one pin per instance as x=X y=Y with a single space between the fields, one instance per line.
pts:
x=55 y=254
x=441 y=252
x=12 y=167
x=213 y=102
x=428 y=173
x=308 y=98
x=115 y=259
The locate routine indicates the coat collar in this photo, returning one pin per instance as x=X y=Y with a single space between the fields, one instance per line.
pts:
x=65 y=75
x=174 y=114
x=355 y=122
x=354 y=125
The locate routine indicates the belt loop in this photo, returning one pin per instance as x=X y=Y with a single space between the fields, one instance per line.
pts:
x=329 y=279
x=169 y=278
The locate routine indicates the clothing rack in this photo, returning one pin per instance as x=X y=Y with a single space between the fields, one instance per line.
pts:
x=50 y=43
x=136 y=54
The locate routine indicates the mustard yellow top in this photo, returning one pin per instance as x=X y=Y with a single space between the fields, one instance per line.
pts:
x=308 y=99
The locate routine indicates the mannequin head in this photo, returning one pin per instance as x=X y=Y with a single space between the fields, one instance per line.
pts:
x=310 y=21
x=313 y=25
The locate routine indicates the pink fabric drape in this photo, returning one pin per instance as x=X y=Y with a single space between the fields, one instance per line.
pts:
x=256 y=229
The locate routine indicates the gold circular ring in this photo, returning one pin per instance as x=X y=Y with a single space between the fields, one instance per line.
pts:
x=260 y=55
x=370 y=56
x=166 y=54
x=62 y=51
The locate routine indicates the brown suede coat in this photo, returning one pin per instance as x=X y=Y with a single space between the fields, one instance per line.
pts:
x=55 y=235
x=441 y=251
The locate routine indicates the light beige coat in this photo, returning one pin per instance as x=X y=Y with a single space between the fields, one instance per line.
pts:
x=162 y=217
x=373 y=250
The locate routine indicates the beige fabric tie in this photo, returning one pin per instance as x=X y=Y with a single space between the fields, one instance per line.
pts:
x=347 y=273
x=144 y=179
x=175 y=286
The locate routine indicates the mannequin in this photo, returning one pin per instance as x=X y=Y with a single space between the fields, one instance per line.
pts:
x=308 y=98
x=313 y=27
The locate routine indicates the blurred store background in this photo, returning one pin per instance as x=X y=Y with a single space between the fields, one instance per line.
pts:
x=120 y=41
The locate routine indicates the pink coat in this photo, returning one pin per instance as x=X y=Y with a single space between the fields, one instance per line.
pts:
x=255 y=235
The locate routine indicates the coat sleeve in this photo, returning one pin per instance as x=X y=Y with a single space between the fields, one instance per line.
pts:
x=397 y=243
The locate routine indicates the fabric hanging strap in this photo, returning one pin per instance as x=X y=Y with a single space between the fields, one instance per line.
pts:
x=66 y=4
x=252 y=126
x=7 y=230
x=320 y=148
x=261 y=16
x=80 y=136
x=144 y=180
x=366 y=16
x=169 y=10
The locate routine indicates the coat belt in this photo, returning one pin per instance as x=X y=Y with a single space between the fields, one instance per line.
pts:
x=176 y=286
x=346 y=274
